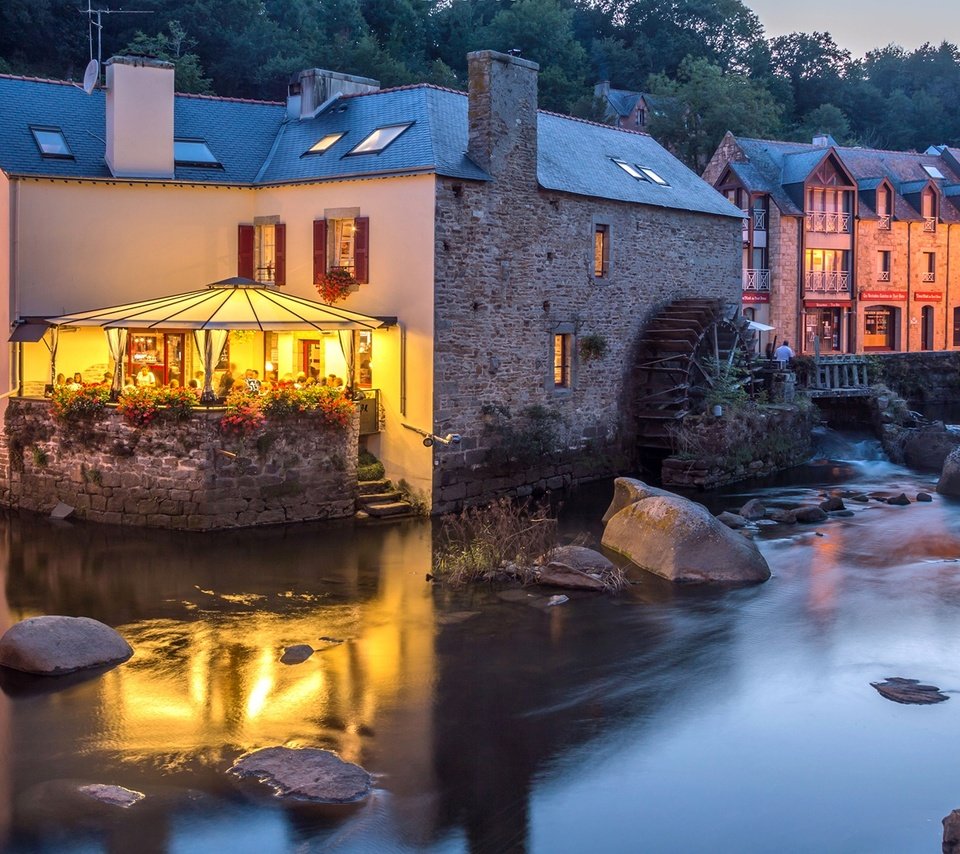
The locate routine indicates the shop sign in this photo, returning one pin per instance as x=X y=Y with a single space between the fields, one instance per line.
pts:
x=752 y=298
x=894 y=296
x=927 y=296
x=811 y=303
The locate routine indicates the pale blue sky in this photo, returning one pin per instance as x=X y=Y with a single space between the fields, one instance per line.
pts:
x=859 y=25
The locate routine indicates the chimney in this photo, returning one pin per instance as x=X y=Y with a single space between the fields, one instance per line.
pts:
x=823 y=141
x=309 y=90
x=139 y=117
x=503 y=114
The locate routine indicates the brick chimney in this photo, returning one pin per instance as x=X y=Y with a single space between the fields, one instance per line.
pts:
x=503 y=115
x=139 y=117
x=308 y=90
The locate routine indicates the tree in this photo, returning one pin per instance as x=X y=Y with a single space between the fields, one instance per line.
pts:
x=702 y=104
x=814 y=65
x=175 y=48
x=824 y=120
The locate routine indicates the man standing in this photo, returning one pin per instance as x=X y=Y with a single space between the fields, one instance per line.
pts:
x=783 y=354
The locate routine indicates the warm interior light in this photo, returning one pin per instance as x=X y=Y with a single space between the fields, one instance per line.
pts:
x=268 y=366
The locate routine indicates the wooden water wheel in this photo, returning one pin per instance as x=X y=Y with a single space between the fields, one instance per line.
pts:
x=681 y=352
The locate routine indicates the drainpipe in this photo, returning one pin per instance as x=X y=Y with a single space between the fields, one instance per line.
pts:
x=946 y=298
x=801 y=342
x=909 y=318
x=15 y=353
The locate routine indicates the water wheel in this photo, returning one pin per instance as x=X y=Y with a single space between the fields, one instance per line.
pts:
x=681 y=353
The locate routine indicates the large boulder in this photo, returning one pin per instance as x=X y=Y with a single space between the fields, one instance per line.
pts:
x=575 y=567
x=53 y=645
x=627 y=491
x=951 y=833
x=926 y=448
x=680 y=540
x=307 y=773
x=949 y=483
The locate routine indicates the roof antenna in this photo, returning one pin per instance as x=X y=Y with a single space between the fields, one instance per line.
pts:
x=91 y=76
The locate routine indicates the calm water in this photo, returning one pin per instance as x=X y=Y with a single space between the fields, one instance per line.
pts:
x=665 y=720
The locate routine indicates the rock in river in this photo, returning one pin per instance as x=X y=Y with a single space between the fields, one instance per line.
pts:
x=949 y=483
x=951 y=833
x=53 y=645
x=575 y=567
x=680 y=540
x=307 y=773
x=297 y=654
x=909 y=691
x=732 y=520
x=627 y=491
x=753 y=510
x=810 y=514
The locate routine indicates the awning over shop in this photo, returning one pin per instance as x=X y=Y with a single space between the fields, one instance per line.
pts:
x=760 y=327
x=29 y=332
x=234 y=303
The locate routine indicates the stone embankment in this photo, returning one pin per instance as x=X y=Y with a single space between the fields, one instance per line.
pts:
x=745 y=442
x=176 y=474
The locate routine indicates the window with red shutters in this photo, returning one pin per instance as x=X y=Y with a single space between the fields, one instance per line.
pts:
x=280 y=237
x=245 y=240
x=361 y=249
x=319 y=249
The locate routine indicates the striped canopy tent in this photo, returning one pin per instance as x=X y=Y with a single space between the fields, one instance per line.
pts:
x=211 y=312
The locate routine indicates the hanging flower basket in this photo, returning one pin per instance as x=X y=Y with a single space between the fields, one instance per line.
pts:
x=335 y=285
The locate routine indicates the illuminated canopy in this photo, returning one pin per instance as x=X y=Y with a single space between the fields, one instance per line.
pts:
x=234 y=303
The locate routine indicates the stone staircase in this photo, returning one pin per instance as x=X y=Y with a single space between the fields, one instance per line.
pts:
x=378 y=499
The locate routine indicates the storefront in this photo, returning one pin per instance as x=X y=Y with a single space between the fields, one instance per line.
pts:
x=826 y=326
x=880 y=326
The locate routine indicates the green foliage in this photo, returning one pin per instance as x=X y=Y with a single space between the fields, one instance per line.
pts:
x=523 y=439
x=174 y=47
x=86 y=402
x=593 y=346
x=39 y=456
x=728 y=383
x=369 y=467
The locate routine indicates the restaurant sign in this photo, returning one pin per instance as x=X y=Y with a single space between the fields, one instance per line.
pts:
x=891 y=296
x=753 y=297
x=826 y=303
x=927 y=296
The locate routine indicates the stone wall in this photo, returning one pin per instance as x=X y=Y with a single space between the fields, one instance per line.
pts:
x=920 y=378
x=514 y=270
x=753 y=442
x=176 y=475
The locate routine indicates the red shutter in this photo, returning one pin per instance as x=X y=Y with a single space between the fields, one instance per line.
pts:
x=245 y=251
x=361 y=249
x=280 y=236
x=319 y=249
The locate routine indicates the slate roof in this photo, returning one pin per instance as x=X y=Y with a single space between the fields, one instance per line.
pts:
x=779 y=163
x=258 y=145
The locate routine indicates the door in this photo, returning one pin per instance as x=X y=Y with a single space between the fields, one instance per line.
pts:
x=173 y=358
x=311 y=358
x=926 y=328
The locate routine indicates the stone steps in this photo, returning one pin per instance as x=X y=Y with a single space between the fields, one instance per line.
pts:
x=379 y=500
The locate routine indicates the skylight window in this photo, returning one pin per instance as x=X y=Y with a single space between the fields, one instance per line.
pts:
x=632 y=171
x=933 y=172
x=379 y=139
x=653 y=176
x=193 y=152
x=324 y=143
x=52 y=143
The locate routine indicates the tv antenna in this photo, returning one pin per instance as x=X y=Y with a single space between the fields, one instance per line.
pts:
x=95 y=21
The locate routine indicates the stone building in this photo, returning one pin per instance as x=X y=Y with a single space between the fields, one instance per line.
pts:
x=510 y=255
x=853 y=248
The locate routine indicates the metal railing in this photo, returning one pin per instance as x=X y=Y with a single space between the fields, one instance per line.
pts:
x=756 y=280
x=834 y=282
x=930 y=223
x=883 y=222
x=759 y=219
x=883 y=276
x=831 y=222
x=928 y=277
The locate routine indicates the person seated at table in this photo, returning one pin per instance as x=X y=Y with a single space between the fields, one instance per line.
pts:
x=309 y=381
x=173 y=384
x=145 y=377
x=194 y=384
x=252 y=379
x=61 y=381
x=226 y=381
x=76 y=383
x=128 y=385
x=107 y=378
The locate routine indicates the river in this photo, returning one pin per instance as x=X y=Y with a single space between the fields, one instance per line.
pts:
x=663 y=720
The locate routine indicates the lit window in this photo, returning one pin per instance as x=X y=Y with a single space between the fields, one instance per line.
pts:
x=52 y=143
x=632 y=171
x=562 y=364
x=601 y=250
x=933 y=172
x=193 y=152
x=265 y=254
x=341 y=245
x=379 y=139
x=653 y=176
x=323 y=144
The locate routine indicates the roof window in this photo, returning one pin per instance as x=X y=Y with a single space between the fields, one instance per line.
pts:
x=52 y=143
x=377 y=141
x=324 y=143
x=641 y=173
x=933 y=172
x=193 y=152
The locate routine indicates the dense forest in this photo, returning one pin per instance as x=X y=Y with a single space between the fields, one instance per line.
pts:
x=710 y=59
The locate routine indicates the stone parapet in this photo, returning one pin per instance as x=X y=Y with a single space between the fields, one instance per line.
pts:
x=183 y=475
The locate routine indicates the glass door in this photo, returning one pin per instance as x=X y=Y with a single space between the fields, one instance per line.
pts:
x=311 y=359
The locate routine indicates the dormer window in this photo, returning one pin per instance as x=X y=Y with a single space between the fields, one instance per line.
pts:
x=641 y=173
x=324 y=143
x=883 y=208
x=378 y=141
x=52 y=143
x=194 y=152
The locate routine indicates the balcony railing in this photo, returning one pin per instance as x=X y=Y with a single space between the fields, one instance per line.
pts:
x=759 y=219
x=822 y=282
x=930 y=223
x=756 y=280
x=883 y=222
x=831 y=222
x=928 y=277
x=883 y=276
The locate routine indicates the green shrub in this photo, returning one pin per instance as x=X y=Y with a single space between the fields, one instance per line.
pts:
x=369 y=467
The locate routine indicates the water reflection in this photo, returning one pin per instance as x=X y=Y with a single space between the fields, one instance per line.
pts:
x=491 y=725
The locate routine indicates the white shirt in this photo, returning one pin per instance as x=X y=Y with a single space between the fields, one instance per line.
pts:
x=783 y=353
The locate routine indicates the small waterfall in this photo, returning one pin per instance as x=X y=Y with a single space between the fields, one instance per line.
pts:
x=848 y=446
